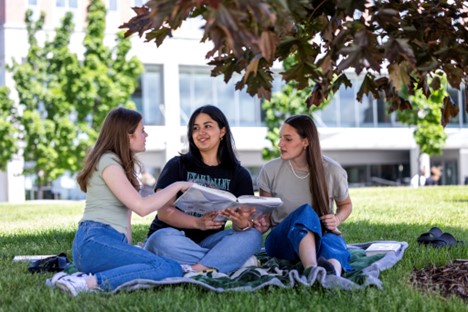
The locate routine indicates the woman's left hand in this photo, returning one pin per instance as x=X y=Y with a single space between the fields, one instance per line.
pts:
x=330 y=222
x=240 y=217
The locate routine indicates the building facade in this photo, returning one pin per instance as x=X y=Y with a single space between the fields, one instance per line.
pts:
x=370 y=144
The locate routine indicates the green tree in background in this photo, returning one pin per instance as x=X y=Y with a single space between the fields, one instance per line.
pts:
x=109 y=78
x=8 y=129
x=62 y=101
x=426 y=115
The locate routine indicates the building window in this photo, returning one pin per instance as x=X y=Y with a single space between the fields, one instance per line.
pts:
x=198 y=88
x=112 y=5
x=346 y=112
x=72 y=4
x=148 y=96
x=33 y=2
x=459 y=99
x=464 y=109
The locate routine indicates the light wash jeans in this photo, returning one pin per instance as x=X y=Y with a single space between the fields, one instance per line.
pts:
x=100 y=249
x=225 y=251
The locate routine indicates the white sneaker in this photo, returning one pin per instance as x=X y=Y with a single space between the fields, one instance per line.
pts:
x=252 y=261
x=187 y=268
x=73 y=284
x=50 y=282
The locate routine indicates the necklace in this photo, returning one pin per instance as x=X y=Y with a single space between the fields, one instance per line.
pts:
x=295 y=174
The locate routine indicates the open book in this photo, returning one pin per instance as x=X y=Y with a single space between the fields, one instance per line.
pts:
x=201 y=199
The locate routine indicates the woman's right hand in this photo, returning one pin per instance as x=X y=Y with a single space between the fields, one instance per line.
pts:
x=263 y=223
x=206 y=222
x=184 y=185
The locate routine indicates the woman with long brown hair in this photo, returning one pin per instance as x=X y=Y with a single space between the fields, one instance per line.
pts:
x=305 y=228
x=102 y=248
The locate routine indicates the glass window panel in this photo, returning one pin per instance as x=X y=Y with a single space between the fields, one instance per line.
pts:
x=112 y=5
x=73 y=3
x=328 y=115
x=185 y=98
x=203 y=90
x=32 y=2
x=383 y=116
x=148 y=97
x=60 y=3
x=464 y=110
x=226 y=99
x=454 y=95
x=153 y=107
x=137 y=96
x=347 y=102
x=357 y=175
x=248 y=110
x=366 y=112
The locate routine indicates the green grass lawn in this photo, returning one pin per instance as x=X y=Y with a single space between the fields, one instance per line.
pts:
x=400 y=214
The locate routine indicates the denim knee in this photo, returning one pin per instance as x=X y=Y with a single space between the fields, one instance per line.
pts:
x=161 y=240
x=254 y=239
x=167 y=267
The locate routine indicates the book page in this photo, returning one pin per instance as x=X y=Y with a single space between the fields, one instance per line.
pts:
x=263 y=205
x=211 y=194
x=200 y=200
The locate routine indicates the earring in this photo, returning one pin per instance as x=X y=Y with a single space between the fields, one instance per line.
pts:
x=221 y=138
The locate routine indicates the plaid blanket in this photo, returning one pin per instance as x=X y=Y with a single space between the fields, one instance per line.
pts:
x=282 y=273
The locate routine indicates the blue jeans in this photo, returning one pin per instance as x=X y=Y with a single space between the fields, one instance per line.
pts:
x=225 y=251
x=284 y=239
x=101 y=250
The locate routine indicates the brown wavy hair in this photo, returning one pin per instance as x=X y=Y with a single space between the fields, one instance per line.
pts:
x=114 y=138
x=305 y=127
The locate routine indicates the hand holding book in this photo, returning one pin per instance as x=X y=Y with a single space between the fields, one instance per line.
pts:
x=262 y=223
x=210 y=221
x=241 y=217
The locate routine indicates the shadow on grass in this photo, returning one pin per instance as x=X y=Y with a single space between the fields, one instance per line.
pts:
x=49 y=242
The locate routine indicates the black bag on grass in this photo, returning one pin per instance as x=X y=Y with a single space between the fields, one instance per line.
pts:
x=51 y=264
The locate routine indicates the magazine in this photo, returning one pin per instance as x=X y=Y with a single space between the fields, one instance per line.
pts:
x=201 y=199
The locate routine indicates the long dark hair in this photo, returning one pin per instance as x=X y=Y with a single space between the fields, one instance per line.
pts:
x=226 y=151
x=305 y=127
x=113 y=137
